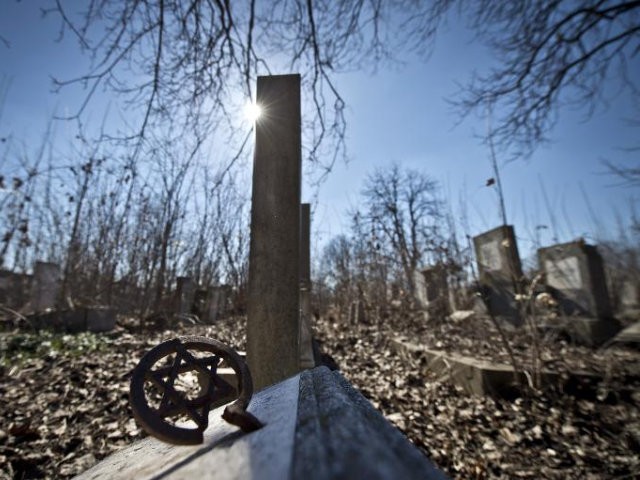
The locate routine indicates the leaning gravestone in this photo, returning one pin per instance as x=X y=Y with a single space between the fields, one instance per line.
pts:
x=500 y=271
x=574 y=272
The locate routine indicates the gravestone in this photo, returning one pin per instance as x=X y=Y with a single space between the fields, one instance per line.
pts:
x=630 y=297
x=306 y=347
x=432 y=291
x=213 y=302
x=15 y=289
x=184 y=296
x=575 y=273
x=45 y=287
x=500 y=271
x=273 y=301
x=421 y=289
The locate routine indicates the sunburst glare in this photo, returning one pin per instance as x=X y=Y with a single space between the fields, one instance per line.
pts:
x=253 y=111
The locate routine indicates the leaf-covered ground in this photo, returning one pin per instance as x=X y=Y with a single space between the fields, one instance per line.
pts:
x=64 y=402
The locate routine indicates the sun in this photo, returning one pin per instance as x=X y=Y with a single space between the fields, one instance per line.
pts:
x=253 y=111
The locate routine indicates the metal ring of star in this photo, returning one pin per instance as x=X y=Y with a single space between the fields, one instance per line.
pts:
x=214 y=392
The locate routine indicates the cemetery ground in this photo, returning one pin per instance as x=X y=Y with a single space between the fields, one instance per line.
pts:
x=64 y=398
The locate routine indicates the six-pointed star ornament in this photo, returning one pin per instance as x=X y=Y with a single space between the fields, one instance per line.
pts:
x=180 y=357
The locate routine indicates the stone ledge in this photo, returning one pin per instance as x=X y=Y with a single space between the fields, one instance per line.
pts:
x=340 y=435
x=317 y=426
x=226 y=452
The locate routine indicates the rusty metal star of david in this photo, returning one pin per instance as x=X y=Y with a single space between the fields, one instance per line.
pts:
x=214 y=390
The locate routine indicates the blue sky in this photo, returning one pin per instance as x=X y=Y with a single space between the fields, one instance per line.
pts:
x=399 y=114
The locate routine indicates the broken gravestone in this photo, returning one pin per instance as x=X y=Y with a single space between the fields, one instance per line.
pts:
x=574 y=274
x=500 y=271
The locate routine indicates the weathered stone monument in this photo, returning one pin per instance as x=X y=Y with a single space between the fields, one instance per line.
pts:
x=432 y=291
x=500 y=270
x=45 y=287
x=306 y=347
x=273 y=308
x=574 y=272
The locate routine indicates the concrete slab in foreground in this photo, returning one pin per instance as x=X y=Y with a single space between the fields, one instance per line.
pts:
x=317 y=426
x=481 y=377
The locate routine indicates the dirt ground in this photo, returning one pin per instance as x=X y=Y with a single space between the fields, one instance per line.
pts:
x=64 y=399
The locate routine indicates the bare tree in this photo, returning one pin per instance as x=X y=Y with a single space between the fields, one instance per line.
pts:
x=337 y=271
x=403 y=208
x=550 y=53
x=187 y=57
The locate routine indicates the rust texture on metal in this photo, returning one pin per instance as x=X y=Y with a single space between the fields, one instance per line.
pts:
x=158 y=371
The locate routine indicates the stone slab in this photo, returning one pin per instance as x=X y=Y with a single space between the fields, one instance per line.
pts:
x=92 y=319
x=629 y=335
x=476 y=376
x=317 y=426
x=226 y=452
x=341 y=436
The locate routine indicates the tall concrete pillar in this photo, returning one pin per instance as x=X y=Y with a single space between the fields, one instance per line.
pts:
x=273 y=302
x=306 y=347
x=46 y=286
